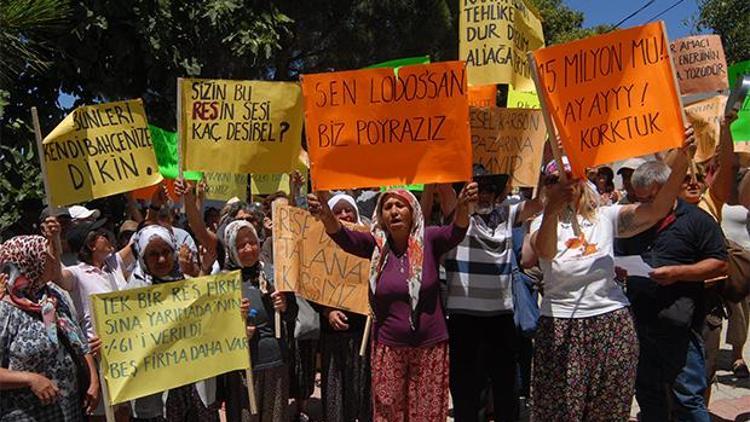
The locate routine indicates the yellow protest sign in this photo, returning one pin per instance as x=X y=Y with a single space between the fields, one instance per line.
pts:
x=494 y=37
x=518 y=99
x=706 y=116
x=240 y=126
x=171 y=334
x=223 y=186
x=309 y=263
x=509 y=141
x=264 y=184
x=98 y=151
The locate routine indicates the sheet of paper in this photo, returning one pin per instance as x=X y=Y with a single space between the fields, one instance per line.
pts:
x=634 y=265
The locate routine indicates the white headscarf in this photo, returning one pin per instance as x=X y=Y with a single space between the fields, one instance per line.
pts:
x=142 y=239
x=349 y=200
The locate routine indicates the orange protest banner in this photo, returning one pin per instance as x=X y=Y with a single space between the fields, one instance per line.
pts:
x=146 y=193
x=372 y=128
x=483 y=96
x=612 y=96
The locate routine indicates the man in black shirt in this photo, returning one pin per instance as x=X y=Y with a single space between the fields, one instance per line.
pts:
x=685 y=249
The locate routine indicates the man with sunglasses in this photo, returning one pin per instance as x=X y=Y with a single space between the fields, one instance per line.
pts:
x=685 y=248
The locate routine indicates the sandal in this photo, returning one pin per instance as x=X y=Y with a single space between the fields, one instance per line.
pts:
x=739 y=368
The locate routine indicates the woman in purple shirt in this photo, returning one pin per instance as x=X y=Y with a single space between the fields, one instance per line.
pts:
x=410 y=352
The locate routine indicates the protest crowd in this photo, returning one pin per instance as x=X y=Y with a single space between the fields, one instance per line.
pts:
x=421 y=254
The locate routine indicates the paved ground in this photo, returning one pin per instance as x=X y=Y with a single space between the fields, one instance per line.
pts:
x=730 y=396
x=730 y=399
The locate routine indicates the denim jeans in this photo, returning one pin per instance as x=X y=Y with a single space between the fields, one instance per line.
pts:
x=671 y=378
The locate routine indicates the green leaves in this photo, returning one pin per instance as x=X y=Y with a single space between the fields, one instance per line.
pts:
x=731 y=20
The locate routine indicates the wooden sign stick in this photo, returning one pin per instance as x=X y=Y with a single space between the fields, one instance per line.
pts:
x=365 y=336
x=552 y=135
x=251 y=384
x=45 y=178
x=109 y=412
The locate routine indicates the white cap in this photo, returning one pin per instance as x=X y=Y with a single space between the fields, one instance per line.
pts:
x=78 y=212
x=232 y=200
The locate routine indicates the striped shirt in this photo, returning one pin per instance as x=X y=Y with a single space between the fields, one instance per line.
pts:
x=479 y=269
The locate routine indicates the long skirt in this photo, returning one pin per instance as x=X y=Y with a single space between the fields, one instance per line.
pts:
x=345 y=378
x=302 y=370
x=584 y=368
x=271 y=392
x=410 y=383
x=185 y=405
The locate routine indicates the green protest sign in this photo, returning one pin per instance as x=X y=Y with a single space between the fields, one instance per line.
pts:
x=741 y=127
x=413 y=188
x=165 y=146
x=397 y=63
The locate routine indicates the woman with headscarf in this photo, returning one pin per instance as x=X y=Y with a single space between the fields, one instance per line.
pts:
x=345 y=376
x=156 y=249
x=241 y=250
x=410 y=348
x=586 y=349
x=46 y=371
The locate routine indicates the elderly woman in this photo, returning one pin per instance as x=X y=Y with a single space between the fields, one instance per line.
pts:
x=46 y=371
x=586 y=349
x=345 y=375
x=410 y=348
x=156 y=248
x=270 y=356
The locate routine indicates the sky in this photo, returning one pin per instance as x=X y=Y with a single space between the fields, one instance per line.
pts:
x=612 y=11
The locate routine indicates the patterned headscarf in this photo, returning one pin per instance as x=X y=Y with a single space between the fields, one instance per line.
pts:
x=29 y=291
x=255 y=272
x=141 y=241
x=230 y=236
x=414 y=250
x=349 y=200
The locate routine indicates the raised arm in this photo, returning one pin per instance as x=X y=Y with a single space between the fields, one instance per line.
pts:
x=205 y=237
x=721 y=185
x=427 y=200
x=469 y=194
x=544 y=240
x=353 y=242
x=636 y=218
x=296 y=180
x=134 y=212
x=528 y=209
x=62 y=277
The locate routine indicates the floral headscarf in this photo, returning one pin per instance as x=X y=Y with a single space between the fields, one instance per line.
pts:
x=142 y=239
x=29 y=291
x=414 y=250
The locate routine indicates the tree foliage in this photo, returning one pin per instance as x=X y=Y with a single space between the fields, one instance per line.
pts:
x=731 y=20
x=109 y=50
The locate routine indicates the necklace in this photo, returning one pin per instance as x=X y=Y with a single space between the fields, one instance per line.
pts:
x=403 y=262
